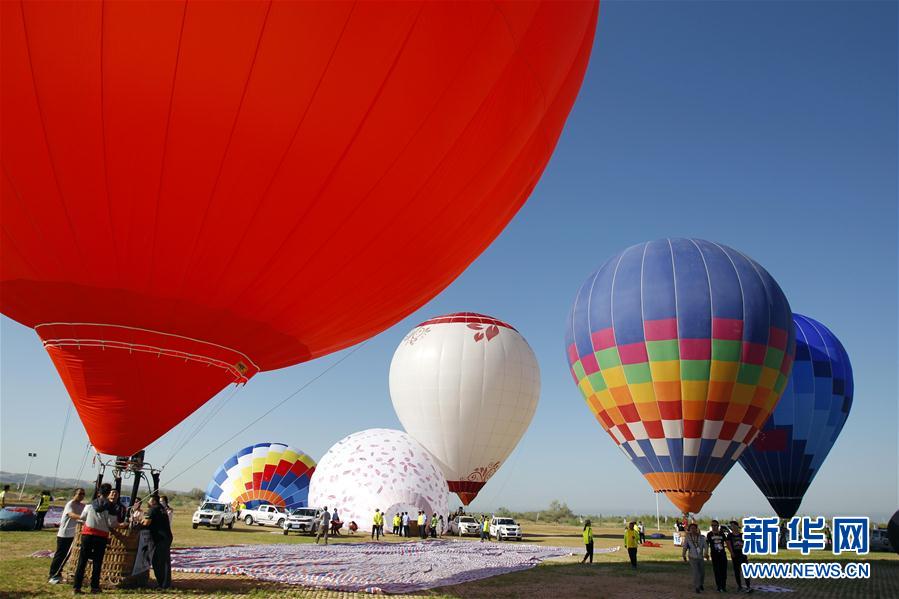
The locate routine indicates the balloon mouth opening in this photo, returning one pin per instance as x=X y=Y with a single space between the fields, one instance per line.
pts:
x=110 y=371
x=785 y=507
x=688 y=491
x=467 y=490
x=74 y=336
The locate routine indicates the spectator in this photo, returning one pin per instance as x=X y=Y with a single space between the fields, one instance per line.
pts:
x=164 y=501
x=66 y=534
x=433 y=525
x=421 y=524
x=631 y=541
x=40 y=510
x=717 y=542
x=3 y=496
x=737 y=557
x=485 y=528
x=98 y=521
x=335 y=523
x=642 y=530
x=588 y=541
x=116 y=507
x=697 y=549
x=405 y=518
x=136 y=516
x=323 y=526
x=160 y=527
x=397 y=524
x=377 y=522
x=442 y=525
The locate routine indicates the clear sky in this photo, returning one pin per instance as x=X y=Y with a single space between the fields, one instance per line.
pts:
x=768 y=126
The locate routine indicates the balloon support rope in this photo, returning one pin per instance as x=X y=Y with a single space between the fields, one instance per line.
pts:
x=273 y=408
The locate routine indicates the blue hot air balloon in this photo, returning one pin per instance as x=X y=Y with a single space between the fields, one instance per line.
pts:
x=793 y=443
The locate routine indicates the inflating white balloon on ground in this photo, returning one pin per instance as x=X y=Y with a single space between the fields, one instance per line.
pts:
x=466 y=387
x=378 y=469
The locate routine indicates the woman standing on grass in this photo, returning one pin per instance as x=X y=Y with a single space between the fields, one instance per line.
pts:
x=588 y=541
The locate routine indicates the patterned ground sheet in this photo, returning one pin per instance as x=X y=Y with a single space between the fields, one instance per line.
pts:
x=366 y=567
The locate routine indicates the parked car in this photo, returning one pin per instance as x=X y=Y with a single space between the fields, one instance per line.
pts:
x=264 y=515
x=303 y=519
x=505 y=528
x=212 y=513
x=464 y=525
x=880 y=540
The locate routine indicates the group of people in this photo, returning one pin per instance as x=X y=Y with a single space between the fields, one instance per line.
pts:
x=633 y=538
x=99 y=518
x=696 y=549
x=428 y=526
x=715 y=545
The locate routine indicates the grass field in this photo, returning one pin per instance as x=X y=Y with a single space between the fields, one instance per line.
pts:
x=661 y=573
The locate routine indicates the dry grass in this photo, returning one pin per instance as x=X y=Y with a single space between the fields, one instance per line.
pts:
x=661 y=573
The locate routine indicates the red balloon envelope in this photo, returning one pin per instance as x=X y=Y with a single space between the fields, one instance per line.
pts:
x=194 y=192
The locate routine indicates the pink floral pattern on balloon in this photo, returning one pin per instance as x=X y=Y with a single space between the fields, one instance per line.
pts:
x=482 y=473
x=378 y=468
x=484 y=331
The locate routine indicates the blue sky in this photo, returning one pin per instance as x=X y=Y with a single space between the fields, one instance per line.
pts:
x=770 y=127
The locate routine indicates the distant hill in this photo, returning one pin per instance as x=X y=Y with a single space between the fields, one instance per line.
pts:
x=39 y=481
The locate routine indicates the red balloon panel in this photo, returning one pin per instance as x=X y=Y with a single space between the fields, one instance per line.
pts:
x=284 y=179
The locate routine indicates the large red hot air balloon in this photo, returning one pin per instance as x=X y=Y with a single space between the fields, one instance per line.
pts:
x=193 y=192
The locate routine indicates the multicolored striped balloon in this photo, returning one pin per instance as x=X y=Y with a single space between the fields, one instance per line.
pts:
x=791 y=447
x=265 y=473
x=681 y=347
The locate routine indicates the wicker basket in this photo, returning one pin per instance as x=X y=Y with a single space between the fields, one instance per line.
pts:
x=118 y=561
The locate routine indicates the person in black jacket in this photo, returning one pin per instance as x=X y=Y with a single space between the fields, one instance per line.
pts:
x=157 y=521
x=717 y=542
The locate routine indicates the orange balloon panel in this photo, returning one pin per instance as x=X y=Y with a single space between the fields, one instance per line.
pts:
x=278 y=179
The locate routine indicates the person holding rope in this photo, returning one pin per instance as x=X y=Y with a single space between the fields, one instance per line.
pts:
x=66 y=534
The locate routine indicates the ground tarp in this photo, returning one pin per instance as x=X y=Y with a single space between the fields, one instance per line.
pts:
x=366 y=567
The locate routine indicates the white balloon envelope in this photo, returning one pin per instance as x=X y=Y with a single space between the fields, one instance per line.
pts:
x=378 y=469
x=466 y=387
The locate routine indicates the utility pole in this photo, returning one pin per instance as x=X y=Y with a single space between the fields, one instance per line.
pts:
x=27 y=472
x=658 y=522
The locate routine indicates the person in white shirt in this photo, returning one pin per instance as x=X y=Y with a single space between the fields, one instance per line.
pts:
x=696 y=547
x=70 y=515
x=99 y=518
x=324 y=526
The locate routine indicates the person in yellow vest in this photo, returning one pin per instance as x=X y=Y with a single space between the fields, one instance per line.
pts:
x=631 y=542
x=240 y=509
x=588 y=541
x=421 y=524
x=485 y=529
x=40 y=511
x=397 y=524
x=376 y=524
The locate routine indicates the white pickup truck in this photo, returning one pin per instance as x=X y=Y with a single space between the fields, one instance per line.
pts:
x=214 y=514
x=264 y=515
x=505 y=528
x=303 y=519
